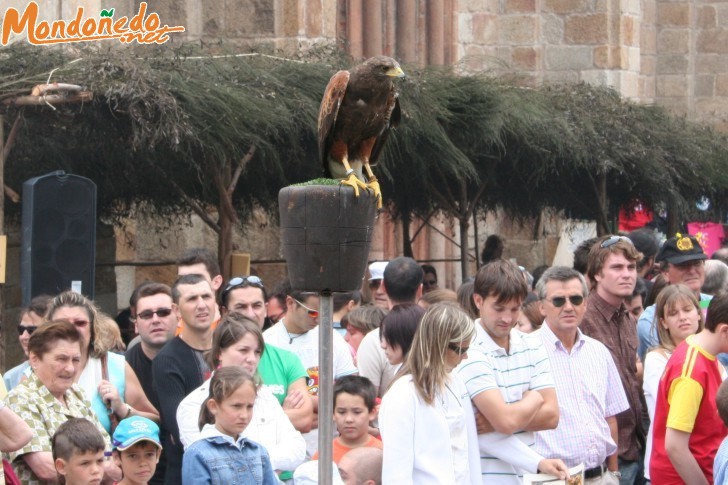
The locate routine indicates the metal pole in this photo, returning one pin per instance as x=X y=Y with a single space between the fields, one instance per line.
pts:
x=326 y=389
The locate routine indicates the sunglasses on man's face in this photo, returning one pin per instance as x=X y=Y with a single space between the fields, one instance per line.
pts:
x=149 y=314
x=559 y=301
x=27 y=328
x=309 y=311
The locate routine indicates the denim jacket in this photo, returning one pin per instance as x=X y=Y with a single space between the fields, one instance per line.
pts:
x=218 y=460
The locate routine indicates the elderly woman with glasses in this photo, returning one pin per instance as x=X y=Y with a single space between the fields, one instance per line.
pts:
x=108 y=381
x=48 y=398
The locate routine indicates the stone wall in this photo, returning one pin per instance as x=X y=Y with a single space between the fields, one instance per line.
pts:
x=596 y=41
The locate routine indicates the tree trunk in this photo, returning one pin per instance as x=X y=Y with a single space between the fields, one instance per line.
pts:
x=476 y=241
x=464 y=246
x=225 y=246
x=602 y=210
x=673 y=220
x=226 y=219
x=406 y=239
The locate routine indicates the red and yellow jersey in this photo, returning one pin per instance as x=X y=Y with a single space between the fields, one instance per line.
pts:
x=686 y=402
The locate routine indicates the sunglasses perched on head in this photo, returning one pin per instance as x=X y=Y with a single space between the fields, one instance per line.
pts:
x=612 y=240
x=559 y=301
x=242 y=282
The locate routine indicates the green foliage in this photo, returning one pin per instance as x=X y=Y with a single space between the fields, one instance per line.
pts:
x=177 y=120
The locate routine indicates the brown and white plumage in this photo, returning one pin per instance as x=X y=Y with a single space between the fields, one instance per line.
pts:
x=358 y=110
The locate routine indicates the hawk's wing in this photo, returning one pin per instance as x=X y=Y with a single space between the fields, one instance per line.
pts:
x=394 y=119
x=333 y=96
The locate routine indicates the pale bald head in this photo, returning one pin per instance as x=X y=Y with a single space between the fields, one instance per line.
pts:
x=361 y=466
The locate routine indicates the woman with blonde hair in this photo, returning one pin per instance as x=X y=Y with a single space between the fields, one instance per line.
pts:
x=426 y=419
x=108 y=381
x=677 y=315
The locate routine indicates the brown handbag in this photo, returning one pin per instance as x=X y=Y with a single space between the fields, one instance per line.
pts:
x=113 y=419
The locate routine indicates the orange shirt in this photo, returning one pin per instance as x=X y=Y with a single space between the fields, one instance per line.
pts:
x=181 y=326
x=339 y=450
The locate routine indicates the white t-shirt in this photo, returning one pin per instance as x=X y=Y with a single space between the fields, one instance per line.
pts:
x=306 y=347
x=373 y=363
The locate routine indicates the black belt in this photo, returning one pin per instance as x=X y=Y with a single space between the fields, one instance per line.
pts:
x=597 y=471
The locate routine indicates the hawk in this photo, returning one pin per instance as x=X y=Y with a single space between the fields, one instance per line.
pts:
x=358 y=110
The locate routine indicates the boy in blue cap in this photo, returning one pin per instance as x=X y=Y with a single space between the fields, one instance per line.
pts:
x=136 y=449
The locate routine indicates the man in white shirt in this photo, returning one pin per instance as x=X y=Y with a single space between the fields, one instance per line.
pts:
x=587 y=382
x=298 y=332
x=509 y=380
x=402 y=283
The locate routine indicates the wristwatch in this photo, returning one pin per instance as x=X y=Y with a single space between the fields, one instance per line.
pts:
x=616 y=473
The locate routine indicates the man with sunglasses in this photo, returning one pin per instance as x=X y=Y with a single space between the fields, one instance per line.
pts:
x=299 y=333
x=400 y=282
x=509 y=380
x=587 y=381
x=155 y=324
x=612 y=270
x=280 y=370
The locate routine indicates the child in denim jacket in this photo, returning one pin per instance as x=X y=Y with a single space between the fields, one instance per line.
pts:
x=222 y=456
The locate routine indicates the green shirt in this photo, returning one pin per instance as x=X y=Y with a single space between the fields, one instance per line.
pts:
x=278 y=369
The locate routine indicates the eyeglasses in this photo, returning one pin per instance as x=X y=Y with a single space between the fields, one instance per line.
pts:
x=374 y=284
x=27 y=328
x=429 y=282
x=559 y=301
x=457 y=349
x=243 y=281
x=149 y=314
x=309 y=311
x=612 y=240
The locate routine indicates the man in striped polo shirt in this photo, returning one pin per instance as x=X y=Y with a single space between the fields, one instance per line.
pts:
x=509 y=380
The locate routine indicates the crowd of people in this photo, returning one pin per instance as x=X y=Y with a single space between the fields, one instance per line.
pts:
x=613 y=367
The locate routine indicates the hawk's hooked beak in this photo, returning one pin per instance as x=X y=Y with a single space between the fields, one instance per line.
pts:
x=395 y=72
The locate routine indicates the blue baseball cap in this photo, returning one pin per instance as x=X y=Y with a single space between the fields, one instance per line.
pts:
x=133 y=430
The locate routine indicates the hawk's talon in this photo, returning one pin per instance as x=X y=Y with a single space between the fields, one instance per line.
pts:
x=373 y=185
x=355 y=183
